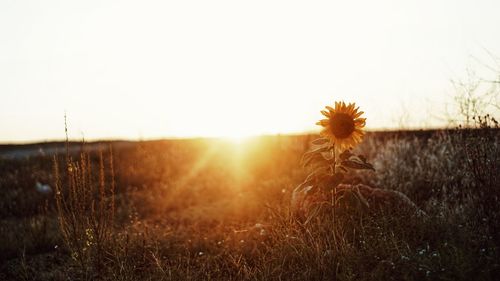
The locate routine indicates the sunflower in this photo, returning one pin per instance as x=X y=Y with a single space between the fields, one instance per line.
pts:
x=343 y=127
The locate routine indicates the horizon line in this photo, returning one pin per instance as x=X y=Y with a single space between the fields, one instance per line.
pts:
x=195 y=137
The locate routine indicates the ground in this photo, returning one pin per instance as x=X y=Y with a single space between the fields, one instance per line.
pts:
x=215 y=209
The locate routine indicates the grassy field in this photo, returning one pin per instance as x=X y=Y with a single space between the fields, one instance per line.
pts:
x=220 y=210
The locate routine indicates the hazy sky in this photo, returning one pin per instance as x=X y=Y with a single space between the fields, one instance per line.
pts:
x=148 y=69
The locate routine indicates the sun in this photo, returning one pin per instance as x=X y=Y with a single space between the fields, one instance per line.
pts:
x=237 y=139
x=232 y=132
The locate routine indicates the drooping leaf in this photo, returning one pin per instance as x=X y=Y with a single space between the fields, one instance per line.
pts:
x=345 y=155
x=340 y=169
x=363 y=158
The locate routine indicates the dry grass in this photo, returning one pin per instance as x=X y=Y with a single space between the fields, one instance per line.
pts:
x=204 y=209
x=85 y=210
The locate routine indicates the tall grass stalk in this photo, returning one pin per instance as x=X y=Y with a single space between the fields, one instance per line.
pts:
x=85 y=209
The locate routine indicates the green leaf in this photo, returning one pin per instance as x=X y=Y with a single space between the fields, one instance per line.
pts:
x=317 y=174
x=320 y=141
x=323 y=170
x=308 y=181
x=312 y=159
x=318 y=150
x=355 y=162
x=328 y=155
x=359 y=165
x=309 y=189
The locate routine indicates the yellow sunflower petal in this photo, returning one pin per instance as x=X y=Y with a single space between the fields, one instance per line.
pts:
x=360 y=121
x=323 y=122
x=354 y=112
x=343 y=126
x=350 y=107
x=358 y=114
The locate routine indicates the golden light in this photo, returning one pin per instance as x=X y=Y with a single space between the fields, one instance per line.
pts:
x=238 y=139
x=209 y=69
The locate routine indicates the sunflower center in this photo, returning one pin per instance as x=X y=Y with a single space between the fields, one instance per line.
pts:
x=342 y=125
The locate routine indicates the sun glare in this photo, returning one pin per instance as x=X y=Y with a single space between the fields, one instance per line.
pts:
x=238 y=138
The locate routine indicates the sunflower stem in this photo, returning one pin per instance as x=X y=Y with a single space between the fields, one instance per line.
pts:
x=334 y=158
x=334 y=193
